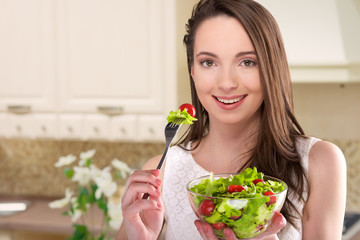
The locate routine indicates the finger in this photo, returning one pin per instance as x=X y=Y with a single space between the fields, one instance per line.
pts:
x=145 y=176
x=137 y=189
x=277 y=223
x=229 y=234
x=205 y=230
x=140 y=205
x=200 y=229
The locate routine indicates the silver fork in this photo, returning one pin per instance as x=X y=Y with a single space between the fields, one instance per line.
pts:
x=170 y=132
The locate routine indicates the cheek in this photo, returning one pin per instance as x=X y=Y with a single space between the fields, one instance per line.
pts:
x=204 y=83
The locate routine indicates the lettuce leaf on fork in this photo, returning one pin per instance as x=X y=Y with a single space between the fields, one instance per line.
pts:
x=183 y=116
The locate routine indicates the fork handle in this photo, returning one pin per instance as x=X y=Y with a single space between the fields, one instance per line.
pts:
x=146 y=195
x=163 y=157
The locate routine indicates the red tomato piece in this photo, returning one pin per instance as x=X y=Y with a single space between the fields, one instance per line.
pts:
x=189 y=108
x=256 y=181
x=272 y=199
x=259 y=227
x=235 y=217
x=207 y=207
x=219 y=225
x=235 y=188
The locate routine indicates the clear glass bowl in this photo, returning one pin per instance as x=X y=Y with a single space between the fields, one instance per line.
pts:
x=247 y=217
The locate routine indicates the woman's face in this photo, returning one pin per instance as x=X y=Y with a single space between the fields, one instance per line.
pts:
x=225 y=71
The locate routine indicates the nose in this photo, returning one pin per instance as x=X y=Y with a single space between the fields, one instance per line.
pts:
x=227 y=80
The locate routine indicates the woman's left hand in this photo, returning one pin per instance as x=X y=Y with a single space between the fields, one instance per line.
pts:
x=277 y=223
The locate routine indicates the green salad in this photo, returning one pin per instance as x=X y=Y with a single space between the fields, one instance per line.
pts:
x=183 y=116
x=244 y=202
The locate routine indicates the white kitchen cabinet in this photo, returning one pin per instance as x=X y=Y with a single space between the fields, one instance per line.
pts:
x=96 y=127
x=28 y=125
x=27 y=67
x=71 y=126
x=124 y=128
x=118 y=54
x=45 y=125
x=151 y=128
x=86 y=69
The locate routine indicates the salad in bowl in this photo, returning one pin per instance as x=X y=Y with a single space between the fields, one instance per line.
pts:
x=244 y=202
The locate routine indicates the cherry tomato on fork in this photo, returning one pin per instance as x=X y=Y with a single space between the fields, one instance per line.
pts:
x=189 y=108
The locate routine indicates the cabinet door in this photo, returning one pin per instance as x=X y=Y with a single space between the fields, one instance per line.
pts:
x=117 y=53
x=27 y=54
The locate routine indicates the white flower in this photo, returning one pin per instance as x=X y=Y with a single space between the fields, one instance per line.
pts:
x=81 y=175
x=62 y=202
x=85 y=156
x=64 y=161
x=97 y=173
x=106 y=186
x=77 y=212
x=121 y=166
x=115 y=214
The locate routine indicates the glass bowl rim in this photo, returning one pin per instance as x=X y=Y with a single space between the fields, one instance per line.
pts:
x=233 y=174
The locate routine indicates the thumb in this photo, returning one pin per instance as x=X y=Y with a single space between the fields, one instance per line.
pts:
x=278 y=222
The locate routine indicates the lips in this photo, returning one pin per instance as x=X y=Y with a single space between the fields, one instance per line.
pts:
x=230 y=100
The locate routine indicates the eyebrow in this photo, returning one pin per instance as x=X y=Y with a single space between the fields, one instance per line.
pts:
x=215 y=56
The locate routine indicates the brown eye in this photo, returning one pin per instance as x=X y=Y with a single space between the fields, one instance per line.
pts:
x=207 y=63
x=248 y=63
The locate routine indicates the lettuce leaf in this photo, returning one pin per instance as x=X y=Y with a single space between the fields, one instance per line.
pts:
x=184 y=117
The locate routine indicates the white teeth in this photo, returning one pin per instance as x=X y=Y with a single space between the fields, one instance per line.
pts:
x=230 y=101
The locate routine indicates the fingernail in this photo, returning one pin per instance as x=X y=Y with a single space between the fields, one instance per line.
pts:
x=196 y=225
x=282 y=221
x=156 y=172
x=158 y=181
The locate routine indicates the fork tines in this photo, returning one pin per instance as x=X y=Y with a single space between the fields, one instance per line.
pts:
x=177 y=122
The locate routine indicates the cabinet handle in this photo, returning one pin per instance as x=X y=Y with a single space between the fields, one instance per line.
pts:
x=111 y=110
x=19 y=109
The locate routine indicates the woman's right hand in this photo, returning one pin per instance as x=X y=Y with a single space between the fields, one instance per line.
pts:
x=143 y=218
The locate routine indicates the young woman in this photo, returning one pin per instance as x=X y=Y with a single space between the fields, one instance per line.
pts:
x=242 y=93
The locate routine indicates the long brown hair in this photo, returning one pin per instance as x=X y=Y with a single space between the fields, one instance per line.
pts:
x=275 y=153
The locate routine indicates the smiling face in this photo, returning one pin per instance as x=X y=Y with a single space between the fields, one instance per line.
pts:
x=225 y=71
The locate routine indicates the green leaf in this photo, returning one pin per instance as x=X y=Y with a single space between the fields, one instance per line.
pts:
x=102 y=204
x=83 y=198
x=118 y=175
x=69 y=172
x=88 y=162
x=81 y=232
x=102 y=236
x=66 y=214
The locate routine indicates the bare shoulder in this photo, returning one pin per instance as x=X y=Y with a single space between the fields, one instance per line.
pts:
x=326 y=157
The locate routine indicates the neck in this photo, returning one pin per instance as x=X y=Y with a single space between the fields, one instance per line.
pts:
x=226 y=148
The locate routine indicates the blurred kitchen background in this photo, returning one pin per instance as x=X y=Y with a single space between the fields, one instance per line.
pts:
x=90 y=74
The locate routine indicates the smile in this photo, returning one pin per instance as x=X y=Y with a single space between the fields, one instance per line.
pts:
x=231 y=101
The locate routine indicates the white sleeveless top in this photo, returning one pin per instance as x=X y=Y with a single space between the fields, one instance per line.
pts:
x=180 y=168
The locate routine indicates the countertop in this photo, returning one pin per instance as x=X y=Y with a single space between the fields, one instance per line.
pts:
x=40 y=218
